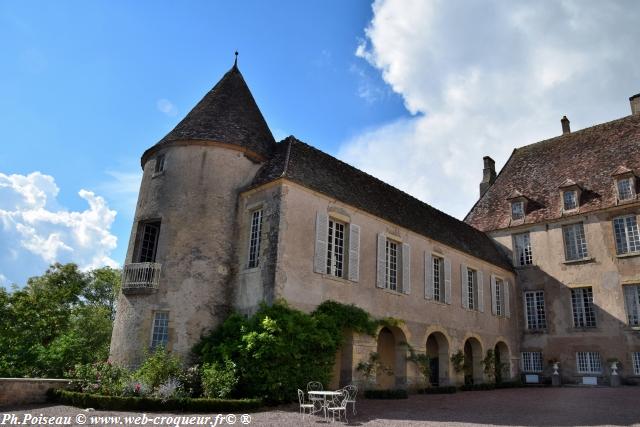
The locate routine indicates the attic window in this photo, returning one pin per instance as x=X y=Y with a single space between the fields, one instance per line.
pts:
x=569 y=200
x=626 y=190
x=517 y=210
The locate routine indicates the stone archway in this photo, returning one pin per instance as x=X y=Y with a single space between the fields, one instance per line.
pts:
x=438 y=351
x=503 y=362
x=473 y=371
x=392 y=353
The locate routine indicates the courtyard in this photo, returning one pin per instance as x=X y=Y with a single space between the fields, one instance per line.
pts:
x=566 y=406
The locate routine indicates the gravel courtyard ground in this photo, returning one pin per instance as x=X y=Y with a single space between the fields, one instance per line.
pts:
x=567 y=406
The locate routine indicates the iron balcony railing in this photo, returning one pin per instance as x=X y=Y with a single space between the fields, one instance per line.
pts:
x=141 y=275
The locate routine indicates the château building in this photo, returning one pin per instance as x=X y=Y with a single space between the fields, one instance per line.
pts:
x=228 y=218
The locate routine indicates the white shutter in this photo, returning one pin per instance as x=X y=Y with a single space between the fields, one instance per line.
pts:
x=322 y=231
x=465 y=286
x=507 y=309
x=382 y=261
x=406 y=268
x=354 y=252
x=494 y=302
x=480 y=292
x=428 y=276
x=447 y=280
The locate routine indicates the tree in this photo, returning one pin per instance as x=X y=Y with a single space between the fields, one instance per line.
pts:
x=58 y=319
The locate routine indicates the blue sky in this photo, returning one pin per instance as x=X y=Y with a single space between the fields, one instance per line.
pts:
x=414 y=92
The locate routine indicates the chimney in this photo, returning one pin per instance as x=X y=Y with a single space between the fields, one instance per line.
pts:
x=488 y=174
x=565 y=125
x=635 y=104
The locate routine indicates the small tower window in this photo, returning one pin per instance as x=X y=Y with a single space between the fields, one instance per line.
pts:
x=159 y=166
x=626 y=190
x=517 y=210
x=570 y=200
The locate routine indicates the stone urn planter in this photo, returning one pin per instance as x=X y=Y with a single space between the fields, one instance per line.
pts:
x=615 y=377
x=555 y=377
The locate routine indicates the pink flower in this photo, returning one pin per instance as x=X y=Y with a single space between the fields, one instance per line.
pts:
x=137 y=388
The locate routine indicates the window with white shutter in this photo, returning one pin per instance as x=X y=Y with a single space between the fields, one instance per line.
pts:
x=337 y=248
x=471 y=289
x=499 y=297
x=436 y=279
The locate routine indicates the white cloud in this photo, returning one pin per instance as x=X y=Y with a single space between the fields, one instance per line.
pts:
x=35 y=232
x=165 y=106
x=481 y=78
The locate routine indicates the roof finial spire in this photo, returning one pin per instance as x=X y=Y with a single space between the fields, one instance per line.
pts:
x=235 y=62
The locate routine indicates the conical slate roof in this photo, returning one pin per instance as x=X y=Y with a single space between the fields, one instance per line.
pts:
x=227 y=114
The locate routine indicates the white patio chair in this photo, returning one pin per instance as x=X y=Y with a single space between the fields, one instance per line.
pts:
x=304 y=406
x=352 y=392
x=314 y=386
x=338 y=405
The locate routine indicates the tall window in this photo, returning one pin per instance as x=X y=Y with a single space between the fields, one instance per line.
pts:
x=438 y=278
x=627 y=236
x=575 y=243
x=636 y=362
x=531 y=361
x=570 y=200
x=159 y=166
x=632 y=303
x=254 y=238
x=523 y=251
x=625 y=188
x=391 y=265
x=517 y=210
x=536 y=317
x=588 y=362
x=499 y=297
x=335 y=248
x=160 y=333
x=584 y=315
x=148 y=243
x=472 y=287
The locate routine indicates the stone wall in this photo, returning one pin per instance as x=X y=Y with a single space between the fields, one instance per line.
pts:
x=22 y=391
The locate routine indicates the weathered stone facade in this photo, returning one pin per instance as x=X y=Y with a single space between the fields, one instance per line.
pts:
x=238 y=220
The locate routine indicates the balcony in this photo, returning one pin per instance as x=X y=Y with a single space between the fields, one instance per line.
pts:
x=140 y=277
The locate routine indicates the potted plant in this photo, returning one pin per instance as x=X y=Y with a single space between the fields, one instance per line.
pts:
x=555 y=364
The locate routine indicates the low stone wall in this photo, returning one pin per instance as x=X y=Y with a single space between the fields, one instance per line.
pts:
x=21 y=391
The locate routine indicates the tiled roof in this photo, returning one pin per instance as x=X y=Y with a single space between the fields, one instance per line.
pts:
x=227 y=114
x=325 y=174
x=588 y=157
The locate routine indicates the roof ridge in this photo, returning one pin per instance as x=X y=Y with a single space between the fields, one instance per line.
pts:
x=578 y=132
x=388 y=185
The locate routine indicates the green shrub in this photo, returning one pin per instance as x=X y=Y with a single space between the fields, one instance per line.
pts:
x=158 y=367
x=117 y=403
x=386 y=394
x=438 y=390
x=100 y=378
x=219 y=379
x=279 y=349
x=191 y=381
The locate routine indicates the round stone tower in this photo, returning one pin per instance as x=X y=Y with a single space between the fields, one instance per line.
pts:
x=179 y=269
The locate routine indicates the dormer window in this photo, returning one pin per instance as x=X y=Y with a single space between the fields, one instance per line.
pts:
x=626 y=190
x=517 y=210
x=625 y=180
x=570 y=200
x=570 y=195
